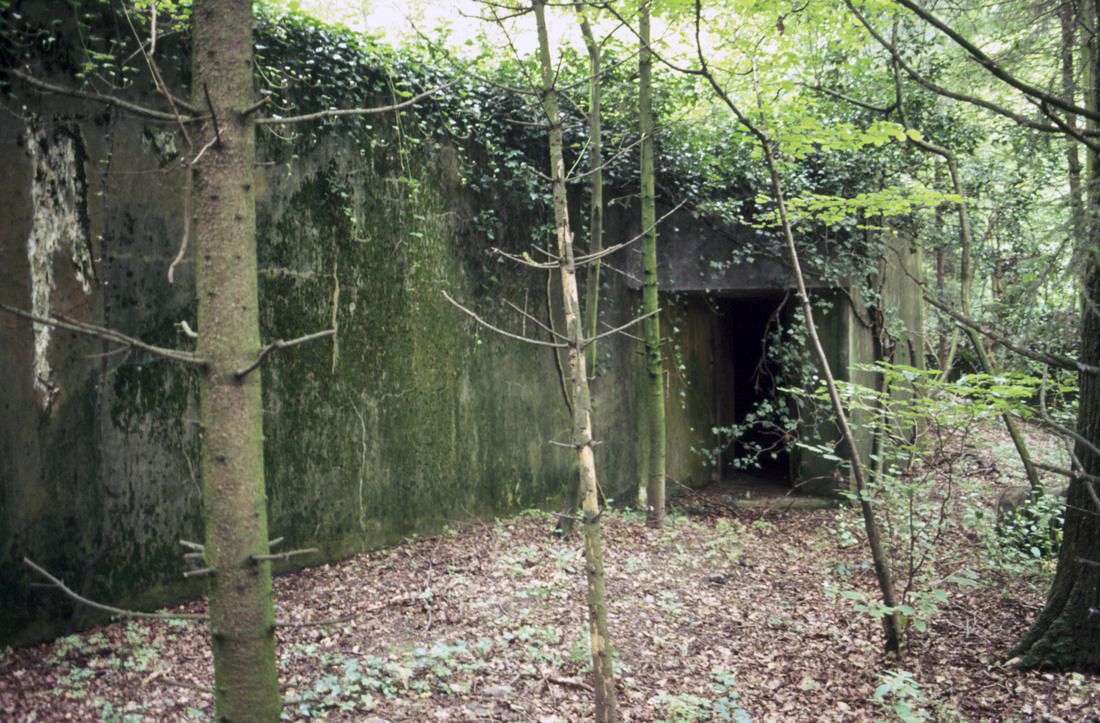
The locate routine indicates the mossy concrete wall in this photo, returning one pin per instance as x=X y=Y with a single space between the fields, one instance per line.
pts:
x=411 y=417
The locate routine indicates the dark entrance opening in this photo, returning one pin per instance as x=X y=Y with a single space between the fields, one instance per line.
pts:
x=746 y=381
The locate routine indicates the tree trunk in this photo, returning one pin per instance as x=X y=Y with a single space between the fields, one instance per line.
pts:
x=655 y=379
x=234 y=503
x=1067 y=16
x=595 y=238
x=582 y=403
x=966 y=242
x=595 y=185
x=976 y=340
x=1067 y=633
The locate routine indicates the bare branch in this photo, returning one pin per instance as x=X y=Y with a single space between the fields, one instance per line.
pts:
x=314 y=623
x=213 y=113
x=279 y=346
x=617 y=329
x=1045 y=421
x=188 y=685
x=1054 y=360
x=836 y=95
x=192 y=545
x=188 y=184
x=628 y=336
x=154 y=70
x=104 y=333
x=201 y=572
x=535 y=320
x=994 y=68
x=107 y=608
x=487 y=325
x=334 y=113
x=283 y=555
x=1069 y=473
x=583 y=259
x=101 y=98
x=256 y=106
x=526 y=261
x=945 y=92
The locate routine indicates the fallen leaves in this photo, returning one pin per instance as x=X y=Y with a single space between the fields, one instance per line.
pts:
x=712 y=618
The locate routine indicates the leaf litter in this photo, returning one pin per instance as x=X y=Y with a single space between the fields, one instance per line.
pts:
x=727 y=613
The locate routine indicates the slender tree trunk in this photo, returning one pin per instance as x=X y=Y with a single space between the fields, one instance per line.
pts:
x=885 y=577
x=1078 y=226
x=976 y=340
x=604 y=686
x=947 y=343
x=595 y=237
x=966 y=241
x=1067 y=632
x=234 y=503
x=655 y=394
x=890 y=622
x=595 y=185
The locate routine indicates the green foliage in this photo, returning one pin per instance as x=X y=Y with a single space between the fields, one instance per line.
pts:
x=920 y=488
x=1032 y=530
x=902 y=695
x=721 y=705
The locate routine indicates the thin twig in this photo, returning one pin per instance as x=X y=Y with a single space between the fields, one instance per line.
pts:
x=255 y=106
x=283 y=555
x=107 y=608
x=617 y=329
x=335 y=113
x=278 y=346
x=191 y=686
x=534 y=319
x=104 y=333
x=585 y=258
x=105 y=99
x=213 y=114
x=1054 y=360
x=502 y=332
x=187 y=190
x=314 y=623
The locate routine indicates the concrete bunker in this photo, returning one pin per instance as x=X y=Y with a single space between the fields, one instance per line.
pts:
x=727 y=307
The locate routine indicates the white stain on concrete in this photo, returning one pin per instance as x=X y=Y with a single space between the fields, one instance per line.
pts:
x=56 y=195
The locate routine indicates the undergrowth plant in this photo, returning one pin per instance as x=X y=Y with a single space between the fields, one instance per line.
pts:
x=924 y=487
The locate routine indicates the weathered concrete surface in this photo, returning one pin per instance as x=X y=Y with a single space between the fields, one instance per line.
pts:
x=412 y=416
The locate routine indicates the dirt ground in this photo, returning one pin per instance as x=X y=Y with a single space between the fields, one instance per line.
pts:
x=727 y=613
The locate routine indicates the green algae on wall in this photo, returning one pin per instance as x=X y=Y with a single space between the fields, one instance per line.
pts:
x=409 y=418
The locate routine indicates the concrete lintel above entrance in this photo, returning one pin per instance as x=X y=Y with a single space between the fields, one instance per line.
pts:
x=701 y=255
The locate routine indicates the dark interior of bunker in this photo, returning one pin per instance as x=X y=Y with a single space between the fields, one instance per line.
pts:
x=746 y=377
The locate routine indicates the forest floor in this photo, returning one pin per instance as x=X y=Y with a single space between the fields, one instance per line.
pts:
x=727 y=613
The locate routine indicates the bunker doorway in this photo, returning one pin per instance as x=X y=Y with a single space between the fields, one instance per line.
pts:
x=746 y=383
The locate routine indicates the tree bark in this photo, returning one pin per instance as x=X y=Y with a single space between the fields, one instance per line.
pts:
x=595 y=186
x=234 y=503
x=595 y=235
x=655 y=373
x=604 y=686
x=1067 y=16
x=1067 y=632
